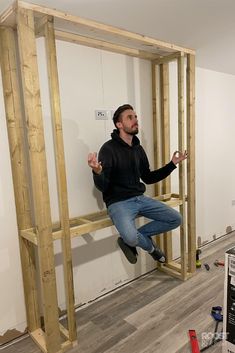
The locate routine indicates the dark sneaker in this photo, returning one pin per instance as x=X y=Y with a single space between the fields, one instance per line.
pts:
x=129 y=251
x=158 y=255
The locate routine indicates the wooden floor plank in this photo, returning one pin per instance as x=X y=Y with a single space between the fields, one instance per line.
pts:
x=152 y=314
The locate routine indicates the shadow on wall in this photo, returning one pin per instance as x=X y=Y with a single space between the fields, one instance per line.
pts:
x=92 y=250
x=95 y=249
x=80 y=184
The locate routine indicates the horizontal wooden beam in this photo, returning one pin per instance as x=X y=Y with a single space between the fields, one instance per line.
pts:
x=64 y=332
x=96 y=27
x=174 y=203
x=38 y=337
x=174 y=266
x=174 y=273
x=8 y=17
x=168 y=58
x=104 y=45
x=85 y=228
x=40 y=24
x=30 y=235
x=90 y=222
x=67 y=345
x=173 y=195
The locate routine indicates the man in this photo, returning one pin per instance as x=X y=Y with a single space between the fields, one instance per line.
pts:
x=121 y=164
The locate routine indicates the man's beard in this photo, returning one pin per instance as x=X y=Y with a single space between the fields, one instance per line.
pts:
x=131 y=131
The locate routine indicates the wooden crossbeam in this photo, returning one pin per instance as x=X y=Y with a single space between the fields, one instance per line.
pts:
x=64 y=332
x=30 y=235
x=167 y=58
x=8 y=17
x=38 y=336
x=100 y=221
x=94 y=27
x=174 y=272
x=104 y=45
x=174 y=266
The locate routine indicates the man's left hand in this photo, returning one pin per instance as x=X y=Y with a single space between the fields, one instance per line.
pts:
x=179 y=156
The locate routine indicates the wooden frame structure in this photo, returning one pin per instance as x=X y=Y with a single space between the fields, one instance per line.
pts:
x=20 y=25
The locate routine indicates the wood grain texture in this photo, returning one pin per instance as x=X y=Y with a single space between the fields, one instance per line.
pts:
x=14 y=120
x=38 y=169
x=60 y=174
x=165 y=140
x=191 y=216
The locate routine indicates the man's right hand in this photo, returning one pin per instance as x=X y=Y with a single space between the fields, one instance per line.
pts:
x=93 y=163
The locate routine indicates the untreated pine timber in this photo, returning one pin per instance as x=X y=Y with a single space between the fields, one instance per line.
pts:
x=156 y=124
x=156 y=137
x=11 y=91
x=132 y=39
x=191 y=162
x=83 y=225
x=165 y=140
x=61 y=174
x=181 y=143
x=167 y=58
x=104 y=45
x=40 y=189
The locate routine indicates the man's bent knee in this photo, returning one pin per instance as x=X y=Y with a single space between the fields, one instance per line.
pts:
x=178 y=219
x=130 y=240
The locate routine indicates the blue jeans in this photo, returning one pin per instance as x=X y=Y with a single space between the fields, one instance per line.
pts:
x=124 y=213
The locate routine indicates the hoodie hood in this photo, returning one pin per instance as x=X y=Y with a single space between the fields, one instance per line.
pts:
x=116 y=137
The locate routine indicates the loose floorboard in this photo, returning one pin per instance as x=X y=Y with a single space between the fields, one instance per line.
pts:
x=152 y=314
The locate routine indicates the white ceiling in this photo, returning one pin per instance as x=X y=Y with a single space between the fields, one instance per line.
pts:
x=208 y=26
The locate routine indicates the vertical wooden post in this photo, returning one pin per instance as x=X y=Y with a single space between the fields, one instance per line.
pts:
x=191 y=162
x=156 y=126
x=156 y=138
x=61 y=174
x=11 y=90
x=165 y=116
x=33 y=113
x=181 y=138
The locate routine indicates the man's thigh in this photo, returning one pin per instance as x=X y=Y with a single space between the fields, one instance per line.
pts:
x=123 y=215
x=156 y=210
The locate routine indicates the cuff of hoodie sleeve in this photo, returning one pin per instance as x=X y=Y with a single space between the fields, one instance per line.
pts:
x=172 y=165
x=94 y=173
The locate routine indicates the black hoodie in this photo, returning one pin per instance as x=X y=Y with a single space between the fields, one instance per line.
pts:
x=123 y=167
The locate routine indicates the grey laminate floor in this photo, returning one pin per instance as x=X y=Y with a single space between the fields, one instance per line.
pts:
x=152 y=314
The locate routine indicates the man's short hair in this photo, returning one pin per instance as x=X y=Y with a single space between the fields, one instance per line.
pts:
x=119 y=111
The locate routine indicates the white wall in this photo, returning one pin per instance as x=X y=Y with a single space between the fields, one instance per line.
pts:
x=215 y=163
x=92 y=79
x=11 y=292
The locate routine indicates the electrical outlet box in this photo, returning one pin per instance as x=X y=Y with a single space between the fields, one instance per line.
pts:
x=102 y=114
